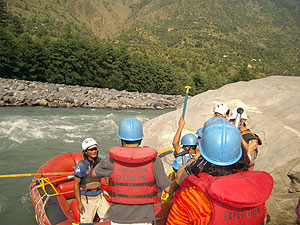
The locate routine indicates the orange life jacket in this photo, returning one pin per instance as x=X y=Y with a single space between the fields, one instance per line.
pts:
x=132 y=181
x=255 y=136
x=234 y=199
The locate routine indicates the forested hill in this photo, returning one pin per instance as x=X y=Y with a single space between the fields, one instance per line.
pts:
x=149 y=45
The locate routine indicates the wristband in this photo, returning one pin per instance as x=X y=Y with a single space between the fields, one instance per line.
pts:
x=250 y=157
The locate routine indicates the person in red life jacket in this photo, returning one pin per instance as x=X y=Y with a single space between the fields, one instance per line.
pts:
x=250 y=140
x=87 y=189
x=135 y=175
x=221 y=110
x=219 y=189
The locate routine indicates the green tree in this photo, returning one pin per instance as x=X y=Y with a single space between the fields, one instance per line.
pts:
x=32 y=58
x=244 y=74
x=8 y=54
x=3 y=14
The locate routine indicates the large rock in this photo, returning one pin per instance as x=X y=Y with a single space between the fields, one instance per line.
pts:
x=273 y=108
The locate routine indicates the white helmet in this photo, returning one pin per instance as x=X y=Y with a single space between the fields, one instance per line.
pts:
x=233 y=115
x=221 y=108
x=88 y=143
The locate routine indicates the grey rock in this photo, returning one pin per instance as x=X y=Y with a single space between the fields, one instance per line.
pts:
x=157 y=106
x=21 y=98
x=108 y=98
x=113 y=105
x=272 y=105
x=20 y=87
x=8 y=99
x=9 y=93
x=69 y=99
x=58 y=95
x=294 y=176
x=43 y=102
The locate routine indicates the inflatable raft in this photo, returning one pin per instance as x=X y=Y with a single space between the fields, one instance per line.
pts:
x=53 y=197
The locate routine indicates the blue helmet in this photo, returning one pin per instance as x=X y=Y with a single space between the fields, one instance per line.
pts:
x=212 y=120
x=130 y=129
x=199 y=132
x=178 y=161
x=221 y=142
x=189 y=139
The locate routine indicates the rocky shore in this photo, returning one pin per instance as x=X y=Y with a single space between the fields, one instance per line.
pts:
x=31 y=93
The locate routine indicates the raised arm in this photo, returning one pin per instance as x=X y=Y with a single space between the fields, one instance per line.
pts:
x=177 y=136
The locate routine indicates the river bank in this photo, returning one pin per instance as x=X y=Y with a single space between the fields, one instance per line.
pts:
x=31 y=93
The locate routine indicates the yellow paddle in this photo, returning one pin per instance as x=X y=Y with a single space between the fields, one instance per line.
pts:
x=185 y=100
x=37 y=174
x=60 y=173
x=164 y=150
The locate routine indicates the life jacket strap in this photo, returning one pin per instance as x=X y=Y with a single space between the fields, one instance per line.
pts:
x=132 y=184
x=132 y=196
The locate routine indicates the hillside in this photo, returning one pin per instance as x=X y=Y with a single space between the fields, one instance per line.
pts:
x=222 y=35
x=100 y=18
x=208 y=43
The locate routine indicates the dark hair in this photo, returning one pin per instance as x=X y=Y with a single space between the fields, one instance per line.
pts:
x=85 y=155
x=193 y=147
x=133 y=142
x=214 y=170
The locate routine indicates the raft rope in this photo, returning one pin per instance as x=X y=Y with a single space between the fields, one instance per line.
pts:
x=43 y=181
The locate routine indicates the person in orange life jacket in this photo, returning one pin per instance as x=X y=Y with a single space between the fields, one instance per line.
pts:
x=219 y=189
x=221 y=110
x=135 y=174
x=250 y=141
x=88 y=192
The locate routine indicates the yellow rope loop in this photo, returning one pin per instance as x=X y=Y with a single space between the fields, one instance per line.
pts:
x=42 y=182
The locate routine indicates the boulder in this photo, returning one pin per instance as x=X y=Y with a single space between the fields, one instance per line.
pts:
x=273 y=109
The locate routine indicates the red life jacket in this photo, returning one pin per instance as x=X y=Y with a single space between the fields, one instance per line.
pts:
x=235 y=199
x=132 y=181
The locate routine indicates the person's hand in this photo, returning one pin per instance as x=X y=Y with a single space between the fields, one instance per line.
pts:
x=252 y=146
x=80 y=208
x=181 y=122
x=196 y=155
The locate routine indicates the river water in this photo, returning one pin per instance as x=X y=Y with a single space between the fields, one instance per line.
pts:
x=30 y=136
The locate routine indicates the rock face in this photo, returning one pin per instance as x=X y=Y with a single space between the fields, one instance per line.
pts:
x=273 y=108
x=31 y=93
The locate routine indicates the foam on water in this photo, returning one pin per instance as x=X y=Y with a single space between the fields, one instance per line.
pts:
x=31 y=136
x=19 y=130
x=68 y=141
x=110 y=115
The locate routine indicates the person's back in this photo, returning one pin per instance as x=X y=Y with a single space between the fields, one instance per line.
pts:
x=135 y=175
x=219 y=188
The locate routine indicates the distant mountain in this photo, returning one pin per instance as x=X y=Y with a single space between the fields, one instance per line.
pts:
x=101 y=18
x=214 y=38
x=263 y=34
